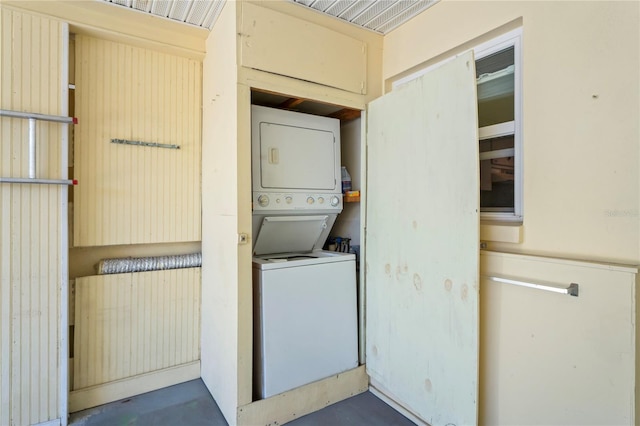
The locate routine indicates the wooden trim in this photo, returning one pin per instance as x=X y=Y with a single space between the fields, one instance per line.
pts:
x=108 y=392
x=378 y=390
x=301 y=401
x=505 y=233
x=631 y=269
x=346 y=114
x=64 y=231
x=635 y=415
x=293 y=88
x=108 y=21
x=291 y=103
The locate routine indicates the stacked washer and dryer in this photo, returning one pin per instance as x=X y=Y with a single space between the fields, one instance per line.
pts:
x=305 y=308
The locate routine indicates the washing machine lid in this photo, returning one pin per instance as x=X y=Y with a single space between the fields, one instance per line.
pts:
x=289 y=234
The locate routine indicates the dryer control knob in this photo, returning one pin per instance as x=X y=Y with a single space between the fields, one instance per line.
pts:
x=321 y=200
x=288 y=199
x=335 y=201
x=310 y=200
x=263 y=200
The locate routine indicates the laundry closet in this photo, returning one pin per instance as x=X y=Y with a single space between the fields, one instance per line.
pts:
x=303 y=77
x=271 y=78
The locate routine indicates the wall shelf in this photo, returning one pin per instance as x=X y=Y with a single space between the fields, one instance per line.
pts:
x=351 y=198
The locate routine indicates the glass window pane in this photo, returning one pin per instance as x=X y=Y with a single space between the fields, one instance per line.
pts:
x=497 y=179
x=496 y=82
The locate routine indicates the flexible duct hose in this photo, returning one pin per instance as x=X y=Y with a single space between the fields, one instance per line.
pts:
x=156 y=263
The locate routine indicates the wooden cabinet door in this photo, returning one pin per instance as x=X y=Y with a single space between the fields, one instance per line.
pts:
x=422 y=244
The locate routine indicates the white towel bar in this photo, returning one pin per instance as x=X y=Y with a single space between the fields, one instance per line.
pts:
x=572 y=290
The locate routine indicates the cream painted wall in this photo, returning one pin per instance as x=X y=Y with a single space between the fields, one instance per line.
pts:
x=581 y=103
x=552 y=359
x=581 y=143
x=348 y=222
x=220 y=300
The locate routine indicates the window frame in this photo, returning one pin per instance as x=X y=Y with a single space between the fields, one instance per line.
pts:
x=510 y=39
x=505 y=41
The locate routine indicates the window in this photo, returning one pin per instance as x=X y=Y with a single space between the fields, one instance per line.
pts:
x=498 y=71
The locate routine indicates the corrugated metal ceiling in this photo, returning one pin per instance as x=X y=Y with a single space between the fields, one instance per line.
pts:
x=380 y=16
x=201 y=13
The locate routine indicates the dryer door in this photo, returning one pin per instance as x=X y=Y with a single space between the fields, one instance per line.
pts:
x=297 y=158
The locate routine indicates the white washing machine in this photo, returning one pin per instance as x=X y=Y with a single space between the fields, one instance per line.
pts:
x=305 y=319
x=305 y=308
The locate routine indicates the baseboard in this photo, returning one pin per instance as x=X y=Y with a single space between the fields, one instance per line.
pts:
x=93 y=396
x=378 y=390
x=304 y=400
x=54 y=422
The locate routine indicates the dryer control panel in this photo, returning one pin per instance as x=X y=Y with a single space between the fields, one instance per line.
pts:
x=283 y=201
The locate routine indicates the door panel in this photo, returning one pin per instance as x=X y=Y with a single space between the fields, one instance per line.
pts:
x=422 y=244
x=296 y=154
x=306 y=327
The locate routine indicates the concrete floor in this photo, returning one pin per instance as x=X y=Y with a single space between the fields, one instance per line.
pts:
x=190 y=404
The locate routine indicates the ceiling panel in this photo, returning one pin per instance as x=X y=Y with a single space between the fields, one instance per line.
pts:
x=380 y=16
x=200 y=13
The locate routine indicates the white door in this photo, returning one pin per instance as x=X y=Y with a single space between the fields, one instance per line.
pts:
x=422 y=245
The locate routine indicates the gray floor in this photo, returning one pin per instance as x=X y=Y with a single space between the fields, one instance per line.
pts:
x=190 y=404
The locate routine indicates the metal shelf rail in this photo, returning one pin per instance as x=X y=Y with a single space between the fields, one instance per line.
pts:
x=33 y=117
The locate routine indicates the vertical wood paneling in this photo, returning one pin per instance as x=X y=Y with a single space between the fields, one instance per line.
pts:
x=134 y=194
x=130 y=324
x=31 y=79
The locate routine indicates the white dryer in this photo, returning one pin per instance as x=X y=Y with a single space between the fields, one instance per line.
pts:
x=305 y=308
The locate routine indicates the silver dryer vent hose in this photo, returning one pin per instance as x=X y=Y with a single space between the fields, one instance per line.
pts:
x=156 y=263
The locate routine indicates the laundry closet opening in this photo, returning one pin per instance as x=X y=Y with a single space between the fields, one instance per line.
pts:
x=306 y=239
